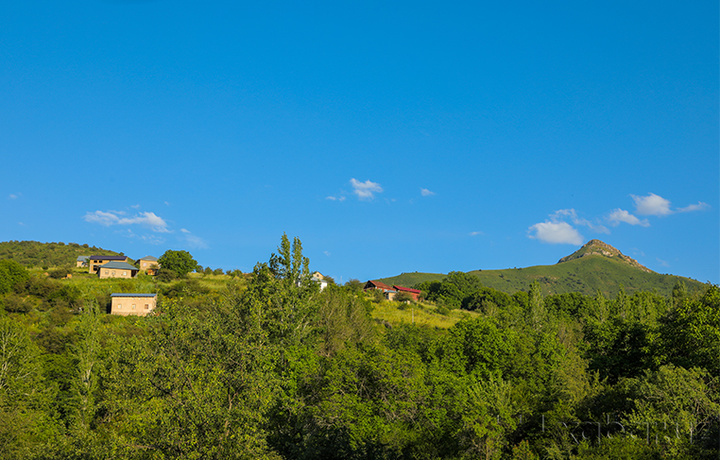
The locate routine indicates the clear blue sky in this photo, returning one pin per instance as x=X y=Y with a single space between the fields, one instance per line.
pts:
x=388 y=136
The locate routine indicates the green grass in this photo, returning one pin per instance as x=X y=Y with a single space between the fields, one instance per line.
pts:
x=421 y=314
x=411 y=279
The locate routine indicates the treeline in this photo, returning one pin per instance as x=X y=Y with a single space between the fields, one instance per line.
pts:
x=273 y=368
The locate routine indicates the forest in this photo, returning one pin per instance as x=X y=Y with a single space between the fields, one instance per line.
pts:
x=266 y=365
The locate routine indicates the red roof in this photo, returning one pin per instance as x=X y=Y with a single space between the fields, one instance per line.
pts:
x=404 y=289
x=377 y=285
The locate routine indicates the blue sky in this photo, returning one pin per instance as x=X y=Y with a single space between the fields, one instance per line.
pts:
x=389 y=137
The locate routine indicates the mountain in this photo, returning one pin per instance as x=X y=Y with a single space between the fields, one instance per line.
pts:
x=596 y=266
x=597 y=247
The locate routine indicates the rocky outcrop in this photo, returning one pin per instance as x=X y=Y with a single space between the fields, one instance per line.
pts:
x=597 y=247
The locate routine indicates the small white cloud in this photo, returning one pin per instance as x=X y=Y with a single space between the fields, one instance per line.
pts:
x=555 y=233
x=335 y=198
x=327 y=253
x=651 y=205
x=365 y=190
x=135 y=206
x=185 y=230
x=108 y=218
x=700 y=206
x=476 y=233
x=14 y=196
x=662 y=262
x=571 y=214
x=195 y=241
x=426 y=192
x=622 y=216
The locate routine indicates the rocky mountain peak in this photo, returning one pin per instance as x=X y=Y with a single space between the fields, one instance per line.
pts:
x=597 y=247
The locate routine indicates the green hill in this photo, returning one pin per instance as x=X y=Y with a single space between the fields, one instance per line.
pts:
x=595 y=267
x=36 y=254
x=411 y=279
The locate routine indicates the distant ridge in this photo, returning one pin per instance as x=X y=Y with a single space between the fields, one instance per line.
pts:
x=597 y=247
x=595 y=267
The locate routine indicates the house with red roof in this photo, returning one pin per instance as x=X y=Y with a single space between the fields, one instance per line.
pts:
x=391 y=291
x=414 y=293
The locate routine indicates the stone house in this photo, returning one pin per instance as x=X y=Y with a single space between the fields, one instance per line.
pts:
x=149 y=265
x=94 y=262
x=116 y=269
x=132 y=304
x=82 y=261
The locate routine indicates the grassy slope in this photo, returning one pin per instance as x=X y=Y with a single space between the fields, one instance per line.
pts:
x=411 y=279
x=419 y=314
x=586 y=275
x=36 y=254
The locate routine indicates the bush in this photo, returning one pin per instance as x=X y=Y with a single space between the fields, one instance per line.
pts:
x=166 y=275
x=17 y=304
x=59 y=273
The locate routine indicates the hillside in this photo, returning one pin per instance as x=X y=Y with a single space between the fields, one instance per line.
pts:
x=596 y=266
x=36 y=254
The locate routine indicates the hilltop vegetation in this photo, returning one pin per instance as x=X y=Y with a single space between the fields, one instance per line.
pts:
x=36 y=254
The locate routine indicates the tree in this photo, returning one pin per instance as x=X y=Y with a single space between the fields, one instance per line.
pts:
x=11 y=274
x=180 y=262
x=290 y=264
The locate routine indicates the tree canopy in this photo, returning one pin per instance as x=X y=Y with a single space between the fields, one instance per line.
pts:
x=181 y=262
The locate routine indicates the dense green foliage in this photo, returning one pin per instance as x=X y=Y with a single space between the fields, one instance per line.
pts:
x=180 y=262
x=35 y=254
x=271 y=367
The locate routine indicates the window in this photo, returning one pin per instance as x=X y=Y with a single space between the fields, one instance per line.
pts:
x=147 y=307
x=133 y=306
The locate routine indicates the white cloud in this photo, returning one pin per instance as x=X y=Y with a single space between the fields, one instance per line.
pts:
x=335 y=198
x=621 y=215
x=571 y=214
x=108 y=218
x=195 y=242
x=555 y=233
x=651 y=205
x=700 y=206
x=662 y=262
x=426 y=192
x=14 y=196
x=365 y=190
x=476 y=233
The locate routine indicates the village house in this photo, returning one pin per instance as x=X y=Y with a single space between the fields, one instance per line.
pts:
x=387 y=291
x=94 y=262
x=414 y=293
x=117 y=269
x=149 y=265
x=320 y=279
x=132 y=304
x=82 y=261
x=391 y=291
